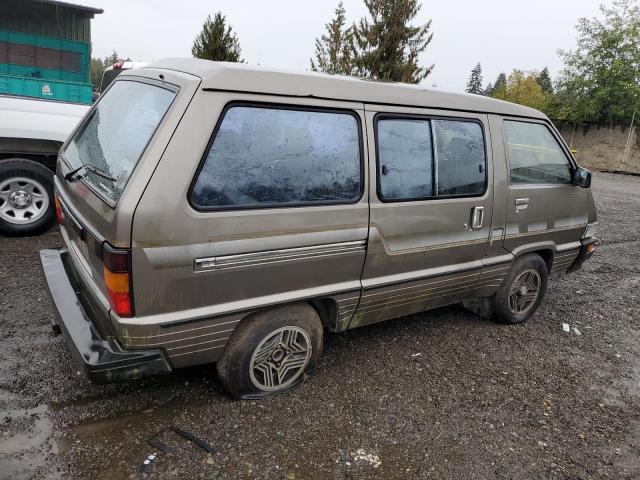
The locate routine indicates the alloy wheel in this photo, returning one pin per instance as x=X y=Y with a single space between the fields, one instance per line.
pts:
x=524 y=292
x=280 y=358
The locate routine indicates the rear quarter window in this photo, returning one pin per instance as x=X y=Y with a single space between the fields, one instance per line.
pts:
x=271 y=156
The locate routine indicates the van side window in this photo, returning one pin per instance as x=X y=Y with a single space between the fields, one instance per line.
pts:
x=535 y=155
x=268 y=156
x=404 y=159
x=408 y=168
x=460 y=157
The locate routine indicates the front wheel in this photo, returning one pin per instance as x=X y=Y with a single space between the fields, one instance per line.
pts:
x=522 y=291
x=271 y=352
x=26 y=197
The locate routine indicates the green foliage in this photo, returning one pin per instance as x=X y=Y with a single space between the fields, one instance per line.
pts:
x=334 y=49
x=96 y=69
x=523 y=88
x=601 y=79
x=499 y=87
x=474 y=85
x=217 y=41
x=387 y=46
x=544 y=80
x=98 y=66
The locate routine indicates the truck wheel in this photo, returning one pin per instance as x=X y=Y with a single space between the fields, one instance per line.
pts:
x=522 y=291
x=26 y=197
x=271 y=352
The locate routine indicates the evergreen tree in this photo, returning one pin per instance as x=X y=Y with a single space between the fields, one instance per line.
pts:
x=387 y=46
x=489 y=90
x=217 y=41
x=97 y=67
x=544 y=80
x=334 y=49
x=474 y=85
x=499 y=87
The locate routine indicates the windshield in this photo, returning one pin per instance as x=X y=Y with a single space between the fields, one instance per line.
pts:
x=116 y=132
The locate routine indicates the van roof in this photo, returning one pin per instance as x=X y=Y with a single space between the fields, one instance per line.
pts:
x=257 y=79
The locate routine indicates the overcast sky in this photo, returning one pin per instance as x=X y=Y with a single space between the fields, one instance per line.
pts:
x=500 y=34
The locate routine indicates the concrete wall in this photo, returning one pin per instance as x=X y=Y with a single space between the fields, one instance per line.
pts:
x=604 y=148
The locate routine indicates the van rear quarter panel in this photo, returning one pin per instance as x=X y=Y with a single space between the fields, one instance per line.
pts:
x=113 y=223
x=268 y=256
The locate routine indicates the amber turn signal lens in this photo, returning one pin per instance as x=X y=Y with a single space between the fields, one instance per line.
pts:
x=59 y=213
x=117 y=285
x=591 y=248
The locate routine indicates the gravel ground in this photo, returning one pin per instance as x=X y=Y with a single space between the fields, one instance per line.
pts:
x=442 y=394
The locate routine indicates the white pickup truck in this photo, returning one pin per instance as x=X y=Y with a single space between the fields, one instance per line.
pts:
x=31 y=133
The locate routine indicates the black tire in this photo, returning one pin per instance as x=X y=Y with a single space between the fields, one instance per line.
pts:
x=234 y=367
x=22 y=168
x=503 y=309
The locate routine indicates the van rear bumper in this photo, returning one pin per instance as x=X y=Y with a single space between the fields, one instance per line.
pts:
x=103 y=361
x=587 y=249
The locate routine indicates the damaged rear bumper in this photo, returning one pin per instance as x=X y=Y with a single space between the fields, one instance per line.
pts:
x=103 y=361
x=587 y=249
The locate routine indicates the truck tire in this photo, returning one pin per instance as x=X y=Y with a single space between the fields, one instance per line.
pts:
x=522 y=291
x=270 y=352
x=26 y=197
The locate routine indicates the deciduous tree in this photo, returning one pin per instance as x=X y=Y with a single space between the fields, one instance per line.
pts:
x=601 y=78
x=523 y=88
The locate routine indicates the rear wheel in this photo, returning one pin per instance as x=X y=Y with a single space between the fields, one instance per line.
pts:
x=271 y=352
x=26 y=197
x=522 y=291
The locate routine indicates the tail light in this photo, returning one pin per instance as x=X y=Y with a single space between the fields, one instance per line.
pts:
x=117 y=278
x=59 y=213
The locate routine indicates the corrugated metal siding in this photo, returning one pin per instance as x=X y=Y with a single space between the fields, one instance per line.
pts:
x=35 y=18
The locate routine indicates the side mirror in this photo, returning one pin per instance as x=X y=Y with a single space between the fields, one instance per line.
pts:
x=582 y=177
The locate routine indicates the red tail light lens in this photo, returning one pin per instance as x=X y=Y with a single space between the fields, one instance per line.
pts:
x=59 y=214
x=116 y=279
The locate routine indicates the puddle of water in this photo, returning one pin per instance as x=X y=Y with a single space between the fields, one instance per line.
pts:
x=27 y=445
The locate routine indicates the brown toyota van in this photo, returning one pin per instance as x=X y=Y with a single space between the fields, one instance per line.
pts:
x=224 y=213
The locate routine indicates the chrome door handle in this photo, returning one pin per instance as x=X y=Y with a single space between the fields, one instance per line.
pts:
x=521 y=204
x=477 y=215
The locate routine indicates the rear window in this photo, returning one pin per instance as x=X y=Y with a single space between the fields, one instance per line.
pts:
x=268 y=156
x=116 y=132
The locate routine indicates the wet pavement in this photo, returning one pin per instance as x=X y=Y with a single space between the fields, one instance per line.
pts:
x=442 y=394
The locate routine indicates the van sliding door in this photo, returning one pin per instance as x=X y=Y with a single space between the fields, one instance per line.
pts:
x=431 y=204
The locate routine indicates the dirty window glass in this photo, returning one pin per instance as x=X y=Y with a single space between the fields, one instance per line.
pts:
x=404 y=159
x=460 y=157
x=115 y=133
x=534 y=155
x=269 y=156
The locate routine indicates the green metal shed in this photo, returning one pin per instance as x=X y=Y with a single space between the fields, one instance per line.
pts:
x=45 y=49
